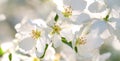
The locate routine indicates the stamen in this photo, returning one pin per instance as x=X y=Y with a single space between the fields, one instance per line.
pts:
x=56 y=29
x=36 y=59
x=67 y=11
x=36 y=34
x=81 y=40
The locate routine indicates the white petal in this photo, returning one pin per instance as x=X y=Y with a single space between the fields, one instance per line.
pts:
x=88 y=55
x=113 y=3
x=97 y=7
x=27 y=43
x=105 y=34
x=67 y=53
x=67 y=33
x=7 y=46
x=56 y=41
x=82 y=18
x=94 y=41
x=24 y=28
x=76 y=4
x=99 y=25
x=50 y=52
x=117 y=27
x=39 y=22
x=115 y=43
x=41 y=45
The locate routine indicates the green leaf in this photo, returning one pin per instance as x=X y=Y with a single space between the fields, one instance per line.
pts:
x=66 y=42
x=56 y=18
x=10 y=57
x=69 y=44
x=1 y=51
x=44 y=51
x=76 y=50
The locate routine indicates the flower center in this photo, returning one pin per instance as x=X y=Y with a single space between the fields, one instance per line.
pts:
x=36 y=34
x=67 y=12
x=81 y=40
x=56 y=29
x=36 y=59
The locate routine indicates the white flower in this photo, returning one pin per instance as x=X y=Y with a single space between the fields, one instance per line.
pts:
x=86 y=41
x=107 y=26
x=58 y=29
x=32 y=35
x=68 y=8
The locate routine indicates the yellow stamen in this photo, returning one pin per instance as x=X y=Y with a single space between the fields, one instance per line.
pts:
x=36 y=59
x=36 y=34
x=56 y=29
x=81 y=40
x=67 y=11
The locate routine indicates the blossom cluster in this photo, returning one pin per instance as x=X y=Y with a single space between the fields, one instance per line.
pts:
x=73 y=31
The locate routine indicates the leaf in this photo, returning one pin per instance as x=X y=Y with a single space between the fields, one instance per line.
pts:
x=56 y=18
x=69 y=44
x=10 y=57
x=1 y=51
x=44 y=51
x=66 y=42
x=76 y=50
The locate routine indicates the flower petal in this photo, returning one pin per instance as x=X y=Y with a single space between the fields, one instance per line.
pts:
x=27 y=43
